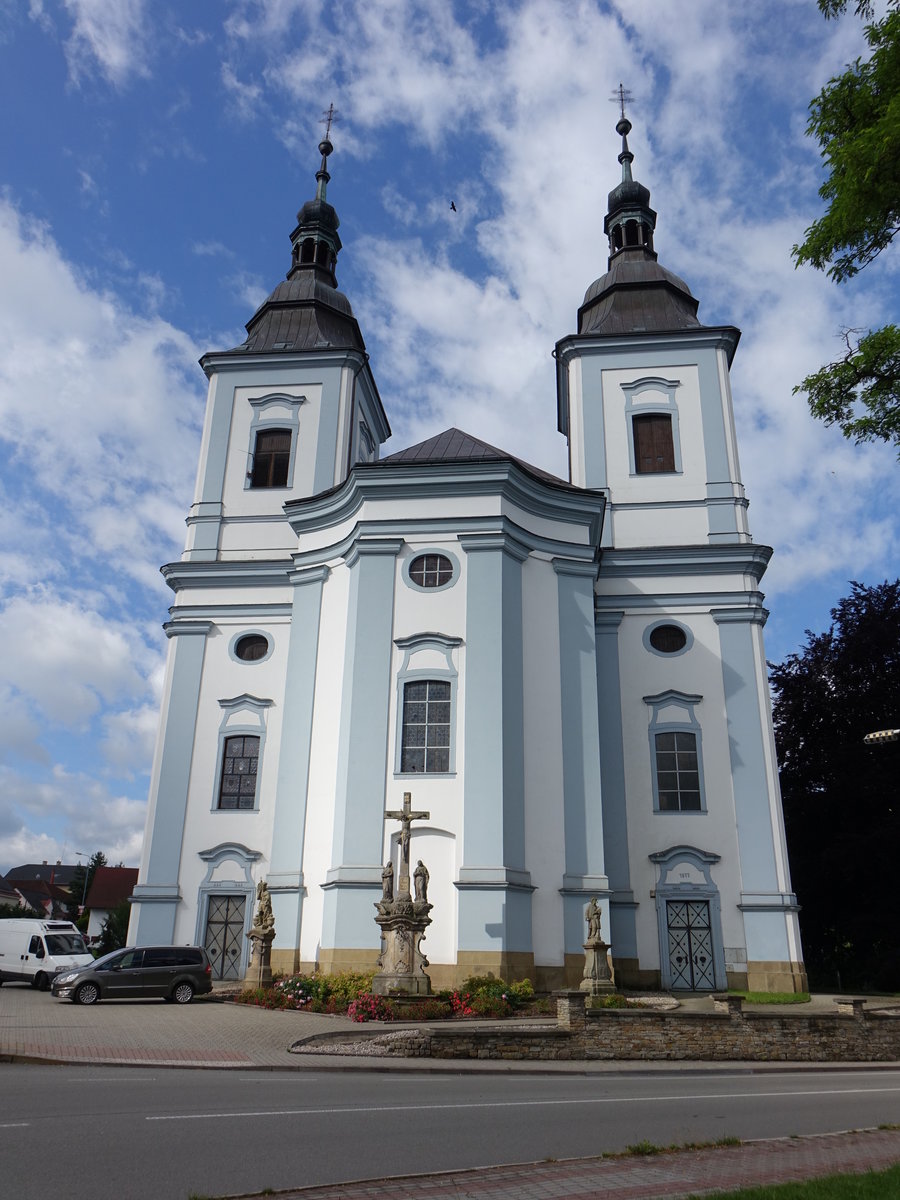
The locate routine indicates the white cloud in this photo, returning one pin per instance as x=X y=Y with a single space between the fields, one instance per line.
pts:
x=65 y=659
x=108 y=36
x=86 y=816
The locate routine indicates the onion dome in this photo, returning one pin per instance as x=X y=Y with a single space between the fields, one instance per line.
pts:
x=636 y=294
x=306 y=311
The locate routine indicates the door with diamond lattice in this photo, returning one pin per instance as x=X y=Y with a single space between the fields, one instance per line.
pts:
x=225 y=935
x=690 y=945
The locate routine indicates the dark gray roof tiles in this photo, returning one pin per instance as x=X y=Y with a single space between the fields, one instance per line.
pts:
x=302 y=313
x=454 y=445
x=637 y=295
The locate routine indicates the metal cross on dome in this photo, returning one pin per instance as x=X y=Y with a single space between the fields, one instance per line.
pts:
x=621 y=96
x=329 y=116
x=405 y=816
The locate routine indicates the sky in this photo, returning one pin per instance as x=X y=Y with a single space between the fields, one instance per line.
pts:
x=153 y=156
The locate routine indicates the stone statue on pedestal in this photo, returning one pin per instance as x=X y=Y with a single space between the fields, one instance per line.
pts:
x=597 y=972
x=261 y=935
x=403 y=918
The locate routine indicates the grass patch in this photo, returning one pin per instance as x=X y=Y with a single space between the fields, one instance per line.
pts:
x=772 y=997
x=874 y=1185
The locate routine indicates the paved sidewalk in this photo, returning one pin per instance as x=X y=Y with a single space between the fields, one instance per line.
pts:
x=640 y=1177
x=36 y=1027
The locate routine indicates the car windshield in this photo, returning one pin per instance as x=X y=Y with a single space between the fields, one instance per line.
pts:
x=65 y=943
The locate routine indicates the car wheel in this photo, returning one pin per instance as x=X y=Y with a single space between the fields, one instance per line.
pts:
x=183 y=993
x=42 y=982
x=88 y=993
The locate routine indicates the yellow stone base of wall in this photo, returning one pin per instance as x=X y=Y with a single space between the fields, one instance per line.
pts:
x=510 y=966
x=630 y=974
x=776 y=977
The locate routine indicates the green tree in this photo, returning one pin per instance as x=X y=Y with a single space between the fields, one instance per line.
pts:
x=856 y=121
x=841 y=809
x=82 y=878
x=114 y=933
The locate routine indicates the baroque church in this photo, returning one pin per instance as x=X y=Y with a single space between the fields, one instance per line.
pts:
x=568 y=675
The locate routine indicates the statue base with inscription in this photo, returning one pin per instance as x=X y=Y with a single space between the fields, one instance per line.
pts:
x=402 y=964
x=597 y=979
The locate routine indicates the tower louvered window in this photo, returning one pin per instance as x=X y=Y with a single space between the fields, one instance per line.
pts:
x=271 y=458
x=654 y=449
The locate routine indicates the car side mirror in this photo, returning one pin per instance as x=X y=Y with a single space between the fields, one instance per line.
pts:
x=39 y=953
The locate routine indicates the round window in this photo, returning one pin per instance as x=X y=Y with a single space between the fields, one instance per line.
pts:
x=431 y=570
x=668 y=639
x=252 y=647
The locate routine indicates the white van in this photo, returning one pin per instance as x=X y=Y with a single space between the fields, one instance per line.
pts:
x=33 y=951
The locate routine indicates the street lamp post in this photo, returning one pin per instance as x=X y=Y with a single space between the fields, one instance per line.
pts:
x=81 y=853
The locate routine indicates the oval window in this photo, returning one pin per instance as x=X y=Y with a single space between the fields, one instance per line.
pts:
x=252 y=647
x=431 y=570
x=668 y=639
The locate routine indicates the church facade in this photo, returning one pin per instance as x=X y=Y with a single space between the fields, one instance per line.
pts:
x=567 y=675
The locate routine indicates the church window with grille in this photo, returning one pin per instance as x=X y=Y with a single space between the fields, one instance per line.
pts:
x=678 y=772
x=431 y=570
x=654 y=448
x=271 y=458
x=240 y=762
x=425 y=746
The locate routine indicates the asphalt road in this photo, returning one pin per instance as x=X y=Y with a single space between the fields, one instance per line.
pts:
x=106 y=1132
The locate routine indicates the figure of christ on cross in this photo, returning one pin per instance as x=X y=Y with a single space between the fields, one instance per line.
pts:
x=405 y=816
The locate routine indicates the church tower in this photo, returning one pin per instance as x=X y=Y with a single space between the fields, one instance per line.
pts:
x=289 y=412
x=291 y=408
x=693 y=827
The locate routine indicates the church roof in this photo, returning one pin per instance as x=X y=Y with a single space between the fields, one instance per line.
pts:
x=455 y=445
x=306 y=311
x=636 y=295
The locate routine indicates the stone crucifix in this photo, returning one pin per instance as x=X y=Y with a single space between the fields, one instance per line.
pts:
x=406 y=817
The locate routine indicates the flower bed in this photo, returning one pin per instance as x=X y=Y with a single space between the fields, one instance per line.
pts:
x=350 y=993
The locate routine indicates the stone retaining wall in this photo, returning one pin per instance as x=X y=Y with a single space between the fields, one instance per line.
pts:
x=622 y=1034
x=638 y=1034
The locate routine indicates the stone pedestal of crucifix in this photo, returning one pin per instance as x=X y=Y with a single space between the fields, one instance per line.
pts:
x=597 y=979
x=403 y=918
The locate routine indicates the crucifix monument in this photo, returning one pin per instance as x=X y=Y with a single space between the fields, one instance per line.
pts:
x=403 y=918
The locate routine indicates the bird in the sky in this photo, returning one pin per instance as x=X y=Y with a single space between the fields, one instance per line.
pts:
x=452 y=206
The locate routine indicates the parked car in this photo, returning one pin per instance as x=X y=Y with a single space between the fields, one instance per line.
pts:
x=173 y=972
x=34 y=950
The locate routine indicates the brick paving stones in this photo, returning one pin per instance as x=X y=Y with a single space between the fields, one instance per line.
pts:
x=683 y=1173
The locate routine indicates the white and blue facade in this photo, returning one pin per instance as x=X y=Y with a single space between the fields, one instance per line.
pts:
x=587 y=643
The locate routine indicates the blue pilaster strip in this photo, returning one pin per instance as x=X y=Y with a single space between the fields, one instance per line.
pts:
x=157 y=897
x=285 y=876
x=354 y=881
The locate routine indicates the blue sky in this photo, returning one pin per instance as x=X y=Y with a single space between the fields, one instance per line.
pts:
x=152 y=160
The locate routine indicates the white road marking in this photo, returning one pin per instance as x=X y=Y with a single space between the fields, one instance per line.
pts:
x=384 y=1108
x=15 y=1125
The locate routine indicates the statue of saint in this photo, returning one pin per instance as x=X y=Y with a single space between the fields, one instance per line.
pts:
x=421 y=877
x=387 y=881
x=593 y=921
x=265 y=918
